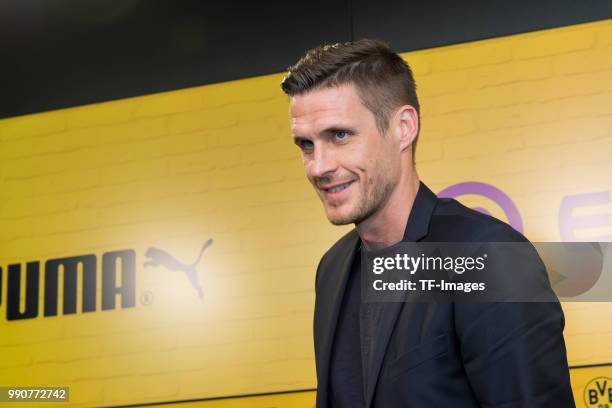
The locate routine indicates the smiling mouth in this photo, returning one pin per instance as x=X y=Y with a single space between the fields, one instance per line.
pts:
x=338 y=188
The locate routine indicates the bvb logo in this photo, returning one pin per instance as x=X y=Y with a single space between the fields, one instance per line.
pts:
x=598 y=393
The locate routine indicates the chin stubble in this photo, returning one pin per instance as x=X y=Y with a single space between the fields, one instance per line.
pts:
x=368 y=204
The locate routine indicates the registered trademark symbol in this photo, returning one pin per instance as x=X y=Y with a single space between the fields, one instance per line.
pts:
x=146 y=298
x=485 y=255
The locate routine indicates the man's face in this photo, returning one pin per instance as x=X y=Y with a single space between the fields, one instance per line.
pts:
x=351 y=165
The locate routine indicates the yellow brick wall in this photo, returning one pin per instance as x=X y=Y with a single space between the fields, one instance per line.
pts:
x=530 y=114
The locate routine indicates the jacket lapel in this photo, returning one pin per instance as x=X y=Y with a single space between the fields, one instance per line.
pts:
x=330 y=294
x=417 y=227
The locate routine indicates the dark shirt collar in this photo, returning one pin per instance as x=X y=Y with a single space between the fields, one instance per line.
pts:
x=423 y=207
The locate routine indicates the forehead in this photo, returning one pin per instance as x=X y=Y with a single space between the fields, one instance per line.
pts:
x=322 y=108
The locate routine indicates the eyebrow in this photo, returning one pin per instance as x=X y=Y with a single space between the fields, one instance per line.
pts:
x=334 y=129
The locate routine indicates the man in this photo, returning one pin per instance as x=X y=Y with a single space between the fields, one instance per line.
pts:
x=355 y=117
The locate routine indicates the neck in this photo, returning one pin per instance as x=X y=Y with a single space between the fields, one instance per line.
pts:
x=387 y=225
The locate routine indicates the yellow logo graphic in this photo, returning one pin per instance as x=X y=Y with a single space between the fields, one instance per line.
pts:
x=598 y=393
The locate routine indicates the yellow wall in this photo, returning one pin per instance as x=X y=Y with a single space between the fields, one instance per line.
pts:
x=530 y=114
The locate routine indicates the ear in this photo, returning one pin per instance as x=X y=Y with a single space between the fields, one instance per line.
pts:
x=407 y=125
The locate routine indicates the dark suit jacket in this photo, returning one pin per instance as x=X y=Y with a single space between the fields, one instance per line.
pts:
x=506 y=355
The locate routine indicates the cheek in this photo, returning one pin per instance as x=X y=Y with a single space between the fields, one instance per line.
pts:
x=308 y=172
x=369 y=173
x=307 y=163
x=379 y=170
x=359 y=158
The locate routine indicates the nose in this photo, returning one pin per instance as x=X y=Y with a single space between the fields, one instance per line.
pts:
x=322 y=162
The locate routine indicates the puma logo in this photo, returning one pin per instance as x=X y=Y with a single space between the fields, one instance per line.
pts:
x=160 y=257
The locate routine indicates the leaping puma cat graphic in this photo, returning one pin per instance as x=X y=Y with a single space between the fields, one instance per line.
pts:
x=160 y=257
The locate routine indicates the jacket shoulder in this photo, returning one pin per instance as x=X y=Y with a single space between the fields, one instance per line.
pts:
x=344 y=244
x=453 y=221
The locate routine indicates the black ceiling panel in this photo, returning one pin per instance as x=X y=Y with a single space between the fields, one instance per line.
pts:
x=61 y=53
x=414 y=25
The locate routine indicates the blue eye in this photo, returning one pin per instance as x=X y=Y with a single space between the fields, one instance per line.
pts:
x=306 y=145
x=341 y=134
